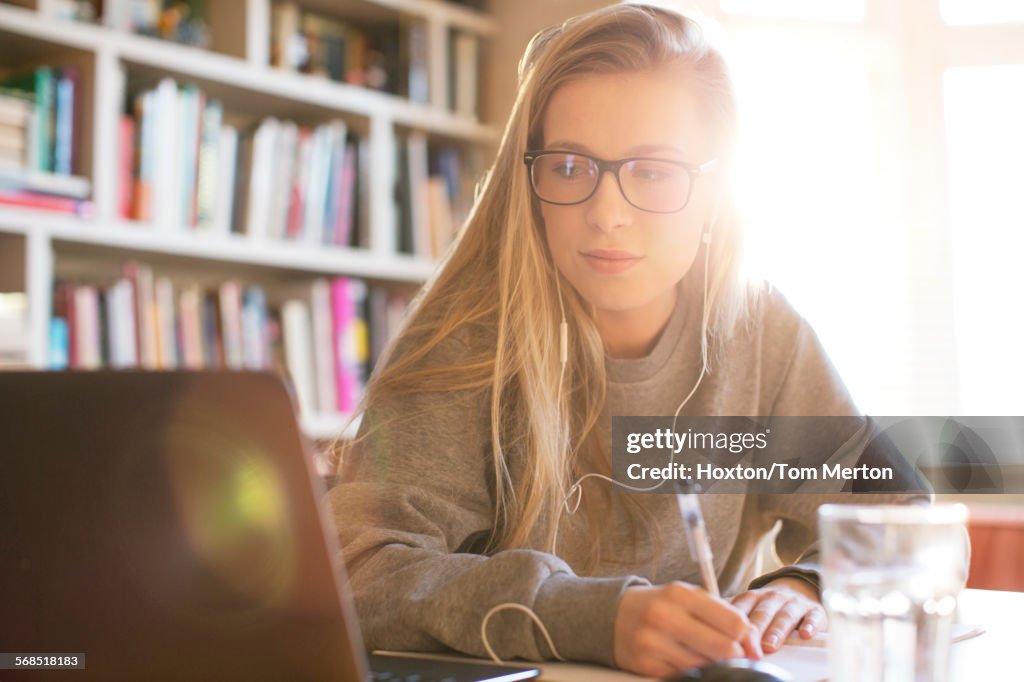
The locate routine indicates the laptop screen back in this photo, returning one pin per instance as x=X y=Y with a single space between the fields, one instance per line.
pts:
x=167 y=526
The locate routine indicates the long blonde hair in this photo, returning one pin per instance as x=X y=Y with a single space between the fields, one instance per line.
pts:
x=497 y=287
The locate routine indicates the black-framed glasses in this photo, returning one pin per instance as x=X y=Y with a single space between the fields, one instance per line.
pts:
x=649 y=184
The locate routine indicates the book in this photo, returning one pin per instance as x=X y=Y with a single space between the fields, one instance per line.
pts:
x=255 y=350
x=58 y=356
x=284 y=187
x=16 y=107
x=125 y=156
x=166 y=323
x=37 y=182
x=323 y=357
x=300 y=183
x=345 y=196
x=299 y=352
x=213 y=348
x=262 y=177
x=243 y=180
x=227 y=162
x=230 y=306
x=191 y=324
x=13 y=329
x=341 y=315
x=141 y=278
x=208 y=166
x=191 y=103
x=166 y=143
x=325 y=145
x=361 y=210
x=87 y=328
x=121 y=325
x=143 y=158
x=66 y=93
x=46 y=202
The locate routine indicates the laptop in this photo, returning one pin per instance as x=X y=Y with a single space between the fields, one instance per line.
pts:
x=170 y=526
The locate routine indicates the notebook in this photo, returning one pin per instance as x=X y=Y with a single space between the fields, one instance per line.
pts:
x=170 y=526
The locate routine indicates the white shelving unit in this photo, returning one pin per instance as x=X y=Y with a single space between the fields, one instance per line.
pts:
x=244 y=79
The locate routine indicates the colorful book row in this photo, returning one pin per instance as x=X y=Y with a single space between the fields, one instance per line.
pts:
x=39 y=119
x=183 y=168
x=325 y=336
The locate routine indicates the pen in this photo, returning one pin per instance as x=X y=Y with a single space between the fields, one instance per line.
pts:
x=697 y=538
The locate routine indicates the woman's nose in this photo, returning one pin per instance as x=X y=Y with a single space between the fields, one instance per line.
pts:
x=607 y=208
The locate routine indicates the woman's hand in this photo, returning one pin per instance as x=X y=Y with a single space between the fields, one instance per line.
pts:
x=662 y=630
x=780 y=607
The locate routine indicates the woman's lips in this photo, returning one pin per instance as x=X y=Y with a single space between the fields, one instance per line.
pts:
x=609 y=262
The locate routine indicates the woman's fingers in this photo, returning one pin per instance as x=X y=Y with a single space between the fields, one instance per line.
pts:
x=646 y=633
x=661 y=649
x=814 y=621
x=784 y=622
x=768 y=604
x=745 y=602
x=723 y=623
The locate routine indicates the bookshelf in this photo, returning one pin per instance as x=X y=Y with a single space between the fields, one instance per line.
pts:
x=114 y=67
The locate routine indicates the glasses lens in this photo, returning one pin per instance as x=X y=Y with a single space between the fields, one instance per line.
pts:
x=654 y=185
x=563 y=178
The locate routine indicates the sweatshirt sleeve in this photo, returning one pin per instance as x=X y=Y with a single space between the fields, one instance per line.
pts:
x=810 y=387
x=408 y=501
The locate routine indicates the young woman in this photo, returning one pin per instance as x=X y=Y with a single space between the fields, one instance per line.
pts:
x=609 y=213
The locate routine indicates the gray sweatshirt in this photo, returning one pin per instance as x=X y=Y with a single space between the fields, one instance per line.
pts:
x=410 y=499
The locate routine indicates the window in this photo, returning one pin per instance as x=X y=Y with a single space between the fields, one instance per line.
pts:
x=963 y=12
x=881 y=179
x=984 y=113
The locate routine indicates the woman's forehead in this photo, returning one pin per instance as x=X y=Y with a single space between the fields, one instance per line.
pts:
x=618 y=115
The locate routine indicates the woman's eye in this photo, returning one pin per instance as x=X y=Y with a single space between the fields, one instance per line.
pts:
x=569 y=171
x=652 y=174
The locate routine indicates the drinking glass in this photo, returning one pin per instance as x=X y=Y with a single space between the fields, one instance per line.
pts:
x=891 y=577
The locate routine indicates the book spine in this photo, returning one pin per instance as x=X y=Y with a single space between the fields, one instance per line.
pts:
x=44 y=115
x=190 y=106
x=59 y=338
x=145 y=150
x=230 y=299
x=126 y=153
x=65 y=124
x=300 y=184
x=298 y=352
x=227 y=161
x=46 y=202
x=323 y=328
x=166 y=190
x=283 y=184
x=346 y=196
x=341 y=315
x=167 y=335
x=254 y=328
x=209 y=153
x=261 y=188
x=189 y=305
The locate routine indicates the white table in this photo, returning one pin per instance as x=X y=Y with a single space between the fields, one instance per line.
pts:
x=995 y=655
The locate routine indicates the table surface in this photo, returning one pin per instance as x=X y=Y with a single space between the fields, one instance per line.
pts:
x=995 y=655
